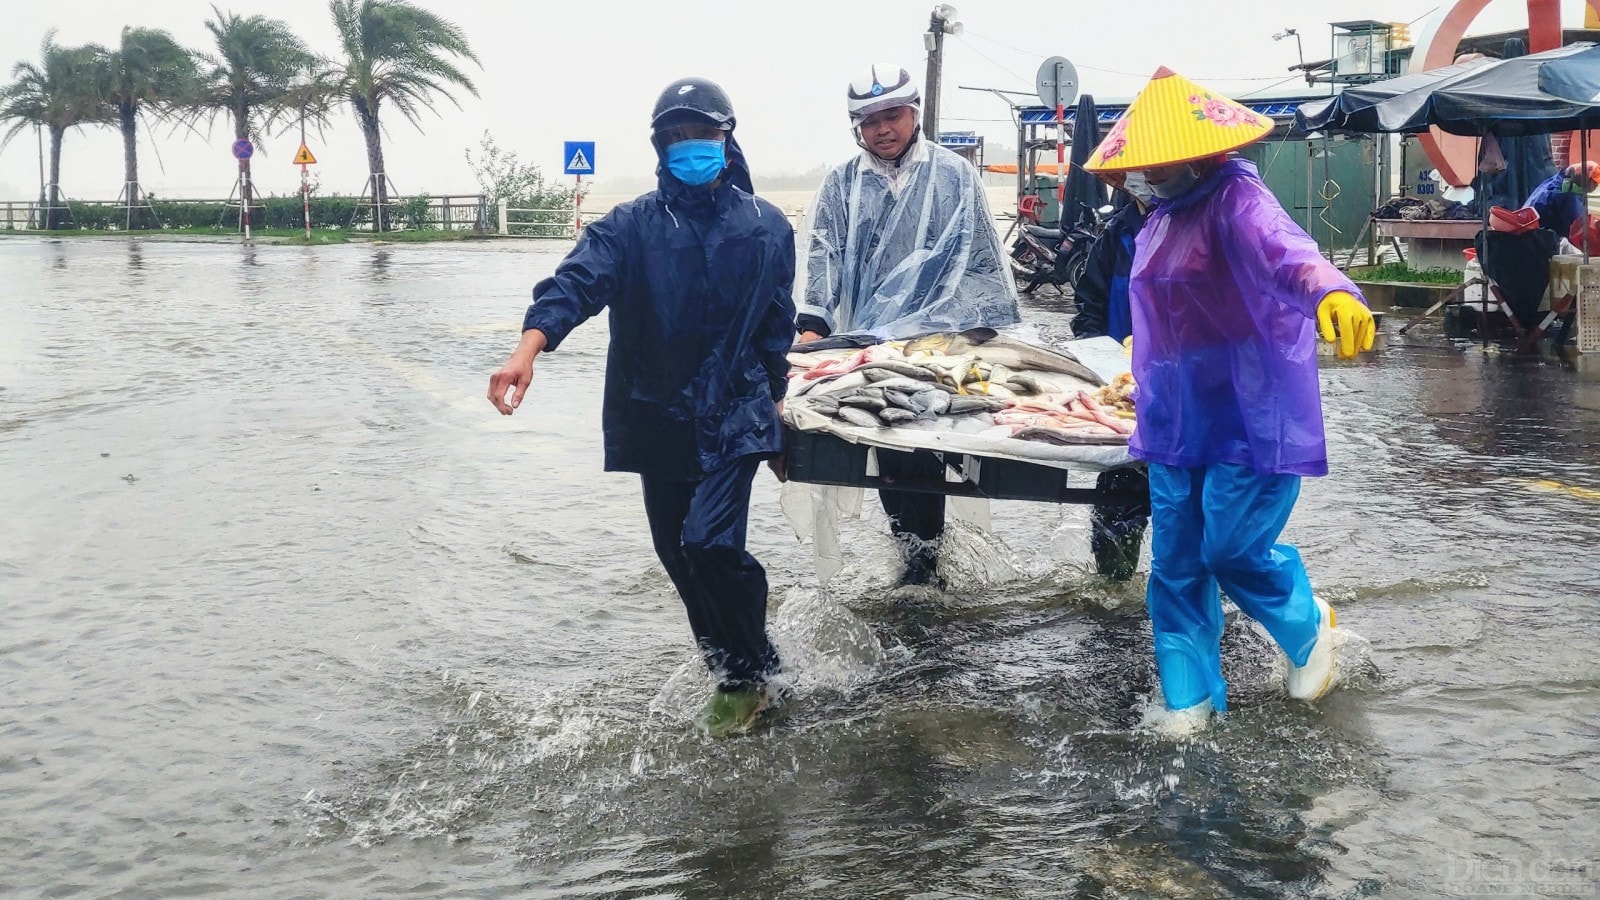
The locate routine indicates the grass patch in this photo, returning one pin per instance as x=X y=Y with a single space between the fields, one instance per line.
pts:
x=1400 y=272
x=416 y=237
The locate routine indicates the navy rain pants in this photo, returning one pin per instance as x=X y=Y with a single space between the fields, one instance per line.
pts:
x=915 y=518
x=699 y=531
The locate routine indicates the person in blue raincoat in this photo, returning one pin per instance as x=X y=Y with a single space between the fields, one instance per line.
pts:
x=902 y=244
x=1563 y=198
x=1227 y=295
x=696 y=277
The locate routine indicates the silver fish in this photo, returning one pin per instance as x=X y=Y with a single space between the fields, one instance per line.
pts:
x=863 y=401
x=962 y=406
x=859 y=417
x=894 y=415
x=902 y=383
x=1024 y=383
x=938 y=402
x=1014 y=354
x=889 y=368
x=900 y=399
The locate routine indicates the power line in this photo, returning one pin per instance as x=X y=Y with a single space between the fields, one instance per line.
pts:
x=1270 y=86
x=992 y=60
x=971 y=33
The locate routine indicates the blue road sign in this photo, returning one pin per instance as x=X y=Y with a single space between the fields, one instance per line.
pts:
x=578 y=158
x=243 y=149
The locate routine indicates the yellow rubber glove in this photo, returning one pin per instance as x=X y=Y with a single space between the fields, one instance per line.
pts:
x=1356 y=327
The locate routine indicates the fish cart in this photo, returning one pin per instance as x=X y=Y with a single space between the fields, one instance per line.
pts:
x=1006 y=420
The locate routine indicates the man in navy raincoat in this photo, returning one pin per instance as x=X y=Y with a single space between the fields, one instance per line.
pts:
x=697 y=279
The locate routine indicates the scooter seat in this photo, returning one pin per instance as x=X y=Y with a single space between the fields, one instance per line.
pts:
x=1039 y=231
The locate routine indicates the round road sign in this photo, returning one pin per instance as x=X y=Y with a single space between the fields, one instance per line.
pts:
x=243 y=150
x=1058 y=82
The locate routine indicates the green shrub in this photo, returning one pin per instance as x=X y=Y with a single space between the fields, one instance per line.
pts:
x=1403 y=273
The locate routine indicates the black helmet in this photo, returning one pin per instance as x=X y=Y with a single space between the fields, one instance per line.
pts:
x=692 y=100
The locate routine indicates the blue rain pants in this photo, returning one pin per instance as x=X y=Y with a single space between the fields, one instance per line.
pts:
x=698 y=528
x=1212 y=526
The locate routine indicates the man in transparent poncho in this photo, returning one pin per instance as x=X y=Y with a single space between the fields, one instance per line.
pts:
x=902 y=244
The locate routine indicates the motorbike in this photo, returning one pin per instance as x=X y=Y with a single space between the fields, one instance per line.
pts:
x=1041 y=255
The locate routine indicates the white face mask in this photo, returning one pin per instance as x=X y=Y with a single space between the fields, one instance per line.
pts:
x=1137 y=187
x=1177 y=185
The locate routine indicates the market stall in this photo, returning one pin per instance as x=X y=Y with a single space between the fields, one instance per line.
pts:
x=1542 y=93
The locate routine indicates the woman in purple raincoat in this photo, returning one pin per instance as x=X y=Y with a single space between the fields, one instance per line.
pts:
x=1226 y=294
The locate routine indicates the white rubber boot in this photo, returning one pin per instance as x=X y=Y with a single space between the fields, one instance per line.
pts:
x=1318 y=676
x=1180 y=724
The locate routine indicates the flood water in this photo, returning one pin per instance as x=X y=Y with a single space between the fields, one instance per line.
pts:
x=290 y=611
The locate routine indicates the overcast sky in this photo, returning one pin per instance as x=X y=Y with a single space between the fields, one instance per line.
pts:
x=591 y=69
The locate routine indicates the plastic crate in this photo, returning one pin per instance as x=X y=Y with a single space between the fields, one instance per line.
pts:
x=815 y=457
x=1588 y=316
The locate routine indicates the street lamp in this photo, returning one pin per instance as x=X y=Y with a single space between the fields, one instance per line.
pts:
x=1290 y=32
x=943 y=22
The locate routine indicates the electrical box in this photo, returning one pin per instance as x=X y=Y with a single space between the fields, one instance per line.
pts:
x=1361 y=51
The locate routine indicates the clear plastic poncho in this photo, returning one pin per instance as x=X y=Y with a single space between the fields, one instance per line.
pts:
x=1224 y=294
x=897 y=252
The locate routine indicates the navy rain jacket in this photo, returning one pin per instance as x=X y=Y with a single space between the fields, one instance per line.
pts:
x=699 y=288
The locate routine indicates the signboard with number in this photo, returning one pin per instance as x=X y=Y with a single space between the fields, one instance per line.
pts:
x=577 y=158
x=243 y=150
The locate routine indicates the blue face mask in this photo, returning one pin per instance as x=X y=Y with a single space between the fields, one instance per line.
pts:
x=696 y=162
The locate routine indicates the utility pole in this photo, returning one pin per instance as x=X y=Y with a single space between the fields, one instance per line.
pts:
x=942 y=23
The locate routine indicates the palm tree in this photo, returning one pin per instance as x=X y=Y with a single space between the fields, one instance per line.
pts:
x=148 y=71
x=252 y=80
x=62 y=92
x=397 y=52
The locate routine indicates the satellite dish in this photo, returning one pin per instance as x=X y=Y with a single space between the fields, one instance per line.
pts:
x=1058 y=82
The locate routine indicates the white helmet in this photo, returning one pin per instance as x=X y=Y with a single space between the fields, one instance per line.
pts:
x=880 y=87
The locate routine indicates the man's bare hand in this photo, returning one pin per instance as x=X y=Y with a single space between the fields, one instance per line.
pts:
x=807 y=337
x=517 y=373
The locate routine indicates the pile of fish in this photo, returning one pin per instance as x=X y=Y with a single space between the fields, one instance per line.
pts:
x=996 y=388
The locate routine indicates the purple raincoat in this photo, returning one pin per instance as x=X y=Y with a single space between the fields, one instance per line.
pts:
x=1224 y=293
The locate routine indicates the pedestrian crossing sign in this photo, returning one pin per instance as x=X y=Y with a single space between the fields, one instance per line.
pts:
x=579 y=158
x=304 y=157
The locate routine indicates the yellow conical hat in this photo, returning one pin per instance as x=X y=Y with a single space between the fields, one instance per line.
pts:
x=1172 y=121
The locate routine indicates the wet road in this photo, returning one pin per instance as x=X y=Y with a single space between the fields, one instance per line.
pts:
x=290 y=611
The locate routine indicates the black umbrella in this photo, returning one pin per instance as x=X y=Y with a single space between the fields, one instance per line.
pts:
x=1575 y=78
x=1085 y=193
x=1527 y=159
x=1391 y=105
x=1501 y=97
x=1505 y=98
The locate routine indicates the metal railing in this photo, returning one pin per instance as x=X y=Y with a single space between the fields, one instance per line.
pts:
x=565 y=221
x=553 y=222
x=444 y=212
